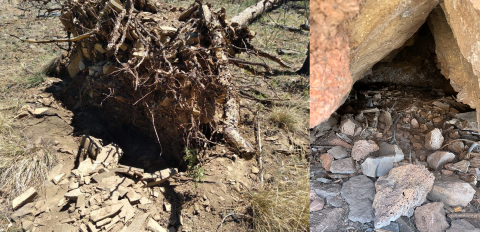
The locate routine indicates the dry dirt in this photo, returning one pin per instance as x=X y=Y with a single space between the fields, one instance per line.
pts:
x=228 y=179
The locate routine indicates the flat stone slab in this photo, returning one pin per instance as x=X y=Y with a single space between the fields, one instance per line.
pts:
x=334 y=201
x=451 y=191
x=138 y=222
x=105 y=212
x=24 y=198
x=343 y=166
x=359 y=193
x=329 y=190
x=338 y=152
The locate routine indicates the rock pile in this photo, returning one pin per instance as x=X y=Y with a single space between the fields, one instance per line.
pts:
x=99 y=195
x=400 y=163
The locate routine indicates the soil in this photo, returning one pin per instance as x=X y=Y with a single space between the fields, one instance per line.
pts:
x=195 y=206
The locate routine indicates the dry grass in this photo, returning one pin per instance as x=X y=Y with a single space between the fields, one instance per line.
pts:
x=23 y=162
x=287 y=117
x=282 y=204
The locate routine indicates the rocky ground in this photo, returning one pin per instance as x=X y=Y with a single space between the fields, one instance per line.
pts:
x=396 y=158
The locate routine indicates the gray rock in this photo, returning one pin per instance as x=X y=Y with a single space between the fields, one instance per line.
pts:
x=437 y=159
x=405 y=188
x=359 y=193
x=392 y=227
x=391 y=150
x=431 y=218
x=331 y=221
x=343 y=166
x=323 y=127
x=335 y=201
x=338 y=152
x=462 y=226
x=327 y=191
x=451 y=191
x=380 y=166
x=405 y=224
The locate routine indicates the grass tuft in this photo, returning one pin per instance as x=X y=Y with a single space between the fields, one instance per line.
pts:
x=283 y=204
x=286 y=117
x=35 y=79
x=23 y=163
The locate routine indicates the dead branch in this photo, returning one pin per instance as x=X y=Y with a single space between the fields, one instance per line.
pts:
x=75 y=39
x=464 y=215
x=248 y=15
x=240 y=62
x=272 y=58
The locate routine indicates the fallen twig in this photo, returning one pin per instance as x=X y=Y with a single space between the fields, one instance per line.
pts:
x=464 y=215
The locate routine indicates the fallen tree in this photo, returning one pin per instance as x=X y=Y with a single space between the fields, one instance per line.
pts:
x=161 y=69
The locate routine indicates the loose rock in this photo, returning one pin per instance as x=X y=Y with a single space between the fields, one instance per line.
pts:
x=347 y=127
x=105 y=212
x=414 y=123
x=24 y=198
x=152 y=225
x=326 y=161
x=462 y=226
x=334 y=201
x=431 y=218
x=359 y=193
x=335 y=141
x=451 y=191
x=400 y=192
x=345 y=166
x=456 y=146
x=317 y=204
x=438 y=159
x=461 y=166
x=374 y=167
x=434 y=139
x=338 y=152
x=328 y=191
x=363 y=148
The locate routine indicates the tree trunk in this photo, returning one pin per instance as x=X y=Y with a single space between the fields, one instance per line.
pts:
x=247 y=16
x=305 y=69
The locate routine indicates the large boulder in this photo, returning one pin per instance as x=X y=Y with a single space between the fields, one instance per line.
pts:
x=381 y=27
x=330 y=78
x=453 y=65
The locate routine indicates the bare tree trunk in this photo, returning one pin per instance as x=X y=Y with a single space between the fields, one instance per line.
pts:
x=305 y=69
x=247 y=16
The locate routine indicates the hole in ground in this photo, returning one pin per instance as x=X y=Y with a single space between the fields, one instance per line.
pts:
x=140 y=150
